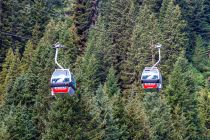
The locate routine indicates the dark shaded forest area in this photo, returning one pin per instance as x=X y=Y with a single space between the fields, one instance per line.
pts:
x=107 y=45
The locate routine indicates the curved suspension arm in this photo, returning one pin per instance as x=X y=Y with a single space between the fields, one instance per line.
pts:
x=57 y=46
x=157 y=46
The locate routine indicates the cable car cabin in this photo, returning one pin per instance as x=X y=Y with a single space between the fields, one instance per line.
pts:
x=62 y=81
x=151 y=78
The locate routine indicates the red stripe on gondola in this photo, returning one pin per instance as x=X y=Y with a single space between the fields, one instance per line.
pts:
x=60 y=90
x=150 y=86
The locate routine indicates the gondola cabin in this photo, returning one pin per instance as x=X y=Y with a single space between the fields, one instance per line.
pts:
x=151 y=78
x=62 y=82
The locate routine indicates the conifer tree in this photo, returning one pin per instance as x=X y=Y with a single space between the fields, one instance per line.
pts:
x=111 y=87
x=173 y=38
x=87 y=70
x=112 y=90
x=85 y=16
x=182 y=92
x=20 y=124
x=204 y=109
x=159 y=116
x=4 y=72
x=65 y=120
x=10 y=71
x=153 y=5
x=163 y=10
x=27 y=56
x=142 y=52
x=99 y=39
x=200 y=57
x=179 y=123
x=136 y=119
x=119 y=29
x=104 y=125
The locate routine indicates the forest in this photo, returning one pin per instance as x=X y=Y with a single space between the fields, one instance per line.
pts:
x=108 y=43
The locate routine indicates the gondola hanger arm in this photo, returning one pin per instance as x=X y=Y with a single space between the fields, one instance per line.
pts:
x=57 y=46
x=158 y=46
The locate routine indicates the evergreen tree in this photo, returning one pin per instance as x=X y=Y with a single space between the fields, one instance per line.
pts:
x=65 y=120
x=23 y=19
x=179 y=123
x=119 y=28
x=200 y=56
x=20 y=124
x=142 y=52
x=136 y=119
x=163 y=10
x=4 y=134
x=85 y=15
x=10 y=72
x=153 y=5
x=204 y=109
x=181 y=92
x=27 y=56
x=173 y=38
x=87 y=71
x=159 y=116
x=111 y=87
x=104 y=125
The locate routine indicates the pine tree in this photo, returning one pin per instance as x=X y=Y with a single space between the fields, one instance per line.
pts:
x=182 y=92
x=97 y=109
x=196 y=14
x=4 y=134
x=19 y=123
x=119 y=28
x=65 y=120
x=111 y=87
x=10 y=71
x=117 y=114
x=87 y=70
x=173 y=38
x=179 y=123
x=5 y=69
x=136 y=119
x=200 y=56
x=163 y=10
x=153 y=5
x=159 y=116
x=85 y=15
x=204 y=109
x=27 y=56
x=142 y=52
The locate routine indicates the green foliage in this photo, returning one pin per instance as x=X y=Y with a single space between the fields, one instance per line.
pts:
x=4 y=135
x=9 y=72
x=179 y=123
x=65 y=120
x=182 y=92
x=24 y=19
x=204 y=108
x=87 y=71
x=173 y=38
x=200 y=57
x=118 y=17
x=104 y=123
x=159 y=116
x=19 y=123
x=85 y=15
x=27 y=56
x=136 y=119
x=142 y=52
x=111 y=87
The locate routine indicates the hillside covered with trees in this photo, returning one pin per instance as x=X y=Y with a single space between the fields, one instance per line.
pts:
x=107 y=45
